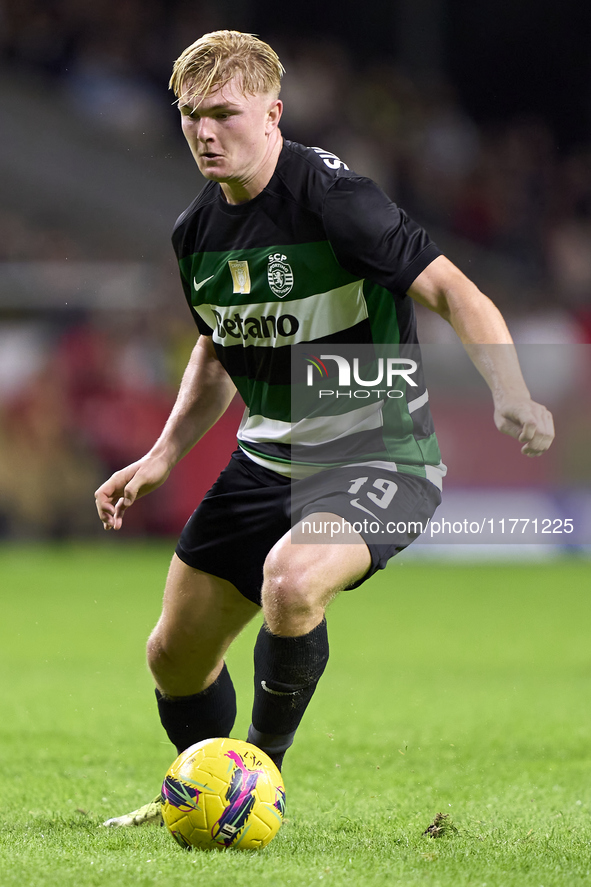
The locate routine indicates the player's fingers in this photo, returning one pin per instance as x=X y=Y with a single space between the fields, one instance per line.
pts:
x=106 y=490
x=107 y=518
x=127 y=499
x=508 y=426
x=104 y=508
x=532 y=426
x=120 y=508
x=548 y=424
x=537 y=445
x=119 y=511
x=107 y=495
x=537 y=436
x=113 y=497
x=528 y=431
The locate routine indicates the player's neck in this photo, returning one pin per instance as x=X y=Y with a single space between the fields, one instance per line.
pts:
x=242 y=191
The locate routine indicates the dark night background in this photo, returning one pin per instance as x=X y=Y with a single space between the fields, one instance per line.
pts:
x=503 y=57
x=506 y=58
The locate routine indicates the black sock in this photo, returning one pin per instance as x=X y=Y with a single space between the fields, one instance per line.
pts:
x=205 y=715
x=286 y=671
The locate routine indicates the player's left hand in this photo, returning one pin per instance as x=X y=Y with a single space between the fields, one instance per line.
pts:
x=527 y=421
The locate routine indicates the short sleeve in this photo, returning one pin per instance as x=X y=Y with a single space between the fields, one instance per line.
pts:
x=372 y=237
x=203 y=328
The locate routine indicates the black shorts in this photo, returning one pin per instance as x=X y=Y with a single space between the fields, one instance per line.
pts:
x=250 y=508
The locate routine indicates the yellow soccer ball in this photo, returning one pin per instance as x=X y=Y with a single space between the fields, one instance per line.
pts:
x=223 y=793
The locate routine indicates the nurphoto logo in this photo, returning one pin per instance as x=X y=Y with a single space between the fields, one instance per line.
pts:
x=387 y=371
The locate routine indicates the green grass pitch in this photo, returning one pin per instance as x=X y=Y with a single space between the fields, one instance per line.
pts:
x=458 y=689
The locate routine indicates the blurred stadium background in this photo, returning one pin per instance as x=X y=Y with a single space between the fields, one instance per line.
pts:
x=474 y=115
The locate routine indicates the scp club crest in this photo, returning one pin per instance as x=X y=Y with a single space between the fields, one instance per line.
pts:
x=279 y=275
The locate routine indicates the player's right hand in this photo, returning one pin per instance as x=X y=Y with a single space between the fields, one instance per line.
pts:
x=118 y=493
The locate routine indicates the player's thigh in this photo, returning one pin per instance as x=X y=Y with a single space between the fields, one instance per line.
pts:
x=201 y=613
x=303 y=572
x=239 y=520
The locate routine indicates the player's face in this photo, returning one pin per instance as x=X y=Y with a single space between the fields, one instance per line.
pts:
x=229 y=132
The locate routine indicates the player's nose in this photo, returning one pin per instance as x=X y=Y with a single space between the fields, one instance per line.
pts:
x=204 y=130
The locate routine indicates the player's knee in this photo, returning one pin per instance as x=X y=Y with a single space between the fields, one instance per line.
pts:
x=176 y=665
x=287 y=595
x=164 y=653
x=156 y=652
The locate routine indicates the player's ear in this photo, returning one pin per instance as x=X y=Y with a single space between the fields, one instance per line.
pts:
x=274 y=115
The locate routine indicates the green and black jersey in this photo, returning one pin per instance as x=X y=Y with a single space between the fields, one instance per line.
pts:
x=320 y=258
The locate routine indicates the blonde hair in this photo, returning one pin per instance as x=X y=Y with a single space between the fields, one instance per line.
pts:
x=213 y=60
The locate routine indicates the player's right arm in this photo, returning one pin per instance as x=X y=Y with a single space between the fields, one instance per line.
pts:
x=443 y=288
x=204 y=395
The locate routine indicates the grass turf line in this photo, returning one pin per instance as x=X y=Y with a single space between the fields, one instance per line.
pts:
x=454 y=689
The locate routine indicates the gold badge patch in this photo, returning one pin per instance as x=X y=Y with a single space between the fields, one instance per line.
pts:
x=240 y=276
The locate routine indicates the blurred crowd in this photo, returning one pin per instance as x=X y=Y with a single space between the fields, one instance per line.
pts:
x=506 y=187
x=78 y=402
x=83 y=397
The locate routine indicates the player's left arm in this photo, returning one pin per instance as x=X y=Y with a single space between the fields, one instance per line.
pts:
x=443 y=288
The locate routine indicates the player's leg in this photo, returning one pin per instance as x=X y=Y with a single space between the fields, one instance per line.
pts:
x=201 y=616
x=212 y=591
x=291 y=652
x=301 y=578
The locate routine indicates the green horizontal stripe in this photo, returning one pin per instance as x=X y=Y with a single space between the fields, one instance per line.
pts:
x=417 y=470
x=282 y=402
x=314 y=267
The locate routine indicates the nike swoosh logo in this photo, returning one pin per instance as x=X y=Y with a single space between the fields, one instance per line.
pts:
x=278 y=692
x=357 y=504
x=197 y=286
